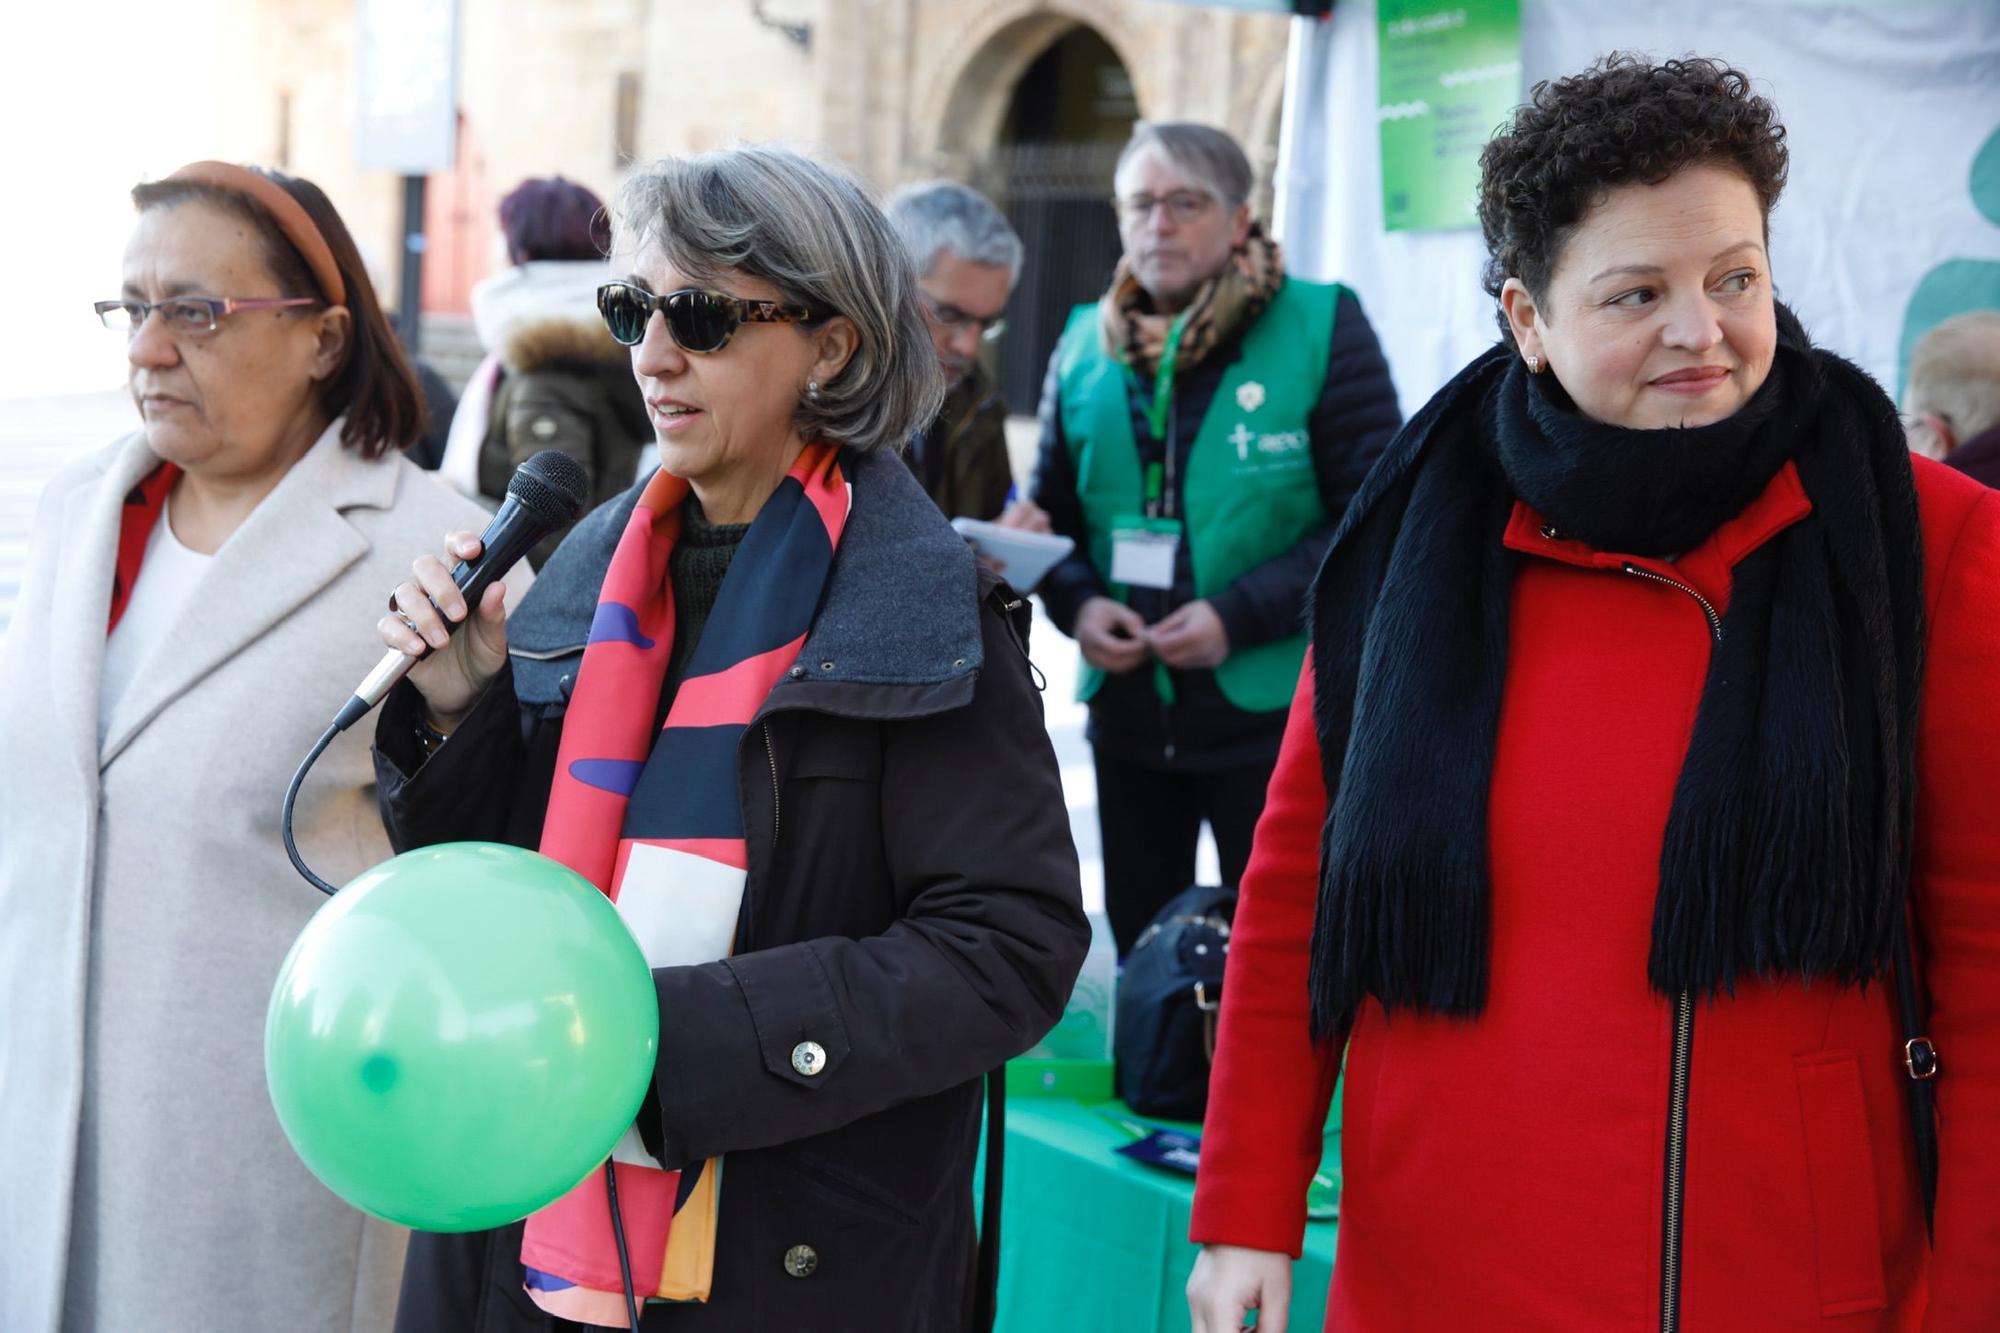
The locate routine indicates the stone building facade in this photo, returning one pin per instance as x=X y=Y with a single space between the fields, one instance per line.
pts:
x=1024 y=97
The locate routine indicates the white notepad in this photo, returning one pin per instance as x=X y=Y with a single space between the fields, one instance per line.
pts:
x=1024 y=557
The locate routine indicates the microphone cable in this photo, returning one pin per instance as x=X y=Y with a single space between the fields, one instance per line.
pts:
x=292 y=799
x=618 y=1235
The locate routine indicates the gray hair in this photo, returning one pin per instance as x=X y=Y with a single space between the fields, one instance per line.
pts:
x=933 y=217
x=811 y=231
x=1955 y=372
x=1202 y=151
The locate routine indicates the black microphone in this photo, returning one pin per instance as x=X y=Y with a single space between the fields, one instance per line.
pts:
x=546 y=492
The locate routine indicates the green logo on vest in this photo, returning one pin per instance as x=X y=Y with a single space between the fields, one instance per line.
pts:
x=1276 y=451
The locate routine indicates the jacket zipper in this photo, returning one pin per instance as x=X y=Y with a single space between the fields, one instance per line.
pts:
x=1677 y=1092
x=772 y=755
x=1707 y=607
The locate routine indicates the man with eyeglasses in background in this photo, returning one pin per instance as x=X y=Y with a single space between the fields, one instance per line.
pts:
x=967 y=259
x=1203 y=426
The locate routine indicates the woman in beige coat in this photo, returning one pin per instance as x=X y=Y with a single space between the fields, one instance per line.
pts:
x=198 y=603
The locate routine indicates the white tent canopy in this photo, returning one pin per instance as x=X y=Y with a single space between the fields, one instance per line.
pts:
x=1886 y=104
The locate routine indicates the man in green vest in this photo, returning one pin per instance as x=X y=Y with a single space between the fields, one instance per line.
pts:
x=1203 y=427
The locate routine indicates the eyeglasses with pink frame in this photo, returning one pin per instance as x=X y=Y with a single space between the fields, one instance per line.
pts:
x=196 y=315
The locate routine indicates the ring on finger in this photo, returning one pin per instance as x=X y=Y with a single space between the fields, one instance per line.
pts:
x=404 y=617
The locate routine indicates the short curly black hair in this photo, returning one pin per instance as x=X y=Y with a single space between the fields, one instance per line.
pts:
x=1624 y=119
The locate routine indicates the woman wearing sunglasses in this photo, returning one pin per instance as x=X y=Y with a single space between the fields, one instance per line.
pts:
x=766 y=701
x=192 y=613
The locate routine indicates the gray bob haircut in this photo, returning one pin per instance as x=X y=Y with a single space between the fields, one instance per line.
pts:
x=1202 y=151
x=811 y=231
x=934 y=217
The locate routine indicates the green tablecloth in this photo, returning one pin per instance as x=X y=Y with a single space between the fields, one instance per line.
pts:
x=1093 y=1241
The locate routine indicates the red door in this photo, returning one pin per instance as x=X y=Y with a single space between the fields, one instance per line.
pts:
x=458 y=225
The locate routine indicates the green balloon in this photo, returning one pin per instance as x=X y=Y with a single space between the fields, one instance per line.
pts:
x=460 y=1035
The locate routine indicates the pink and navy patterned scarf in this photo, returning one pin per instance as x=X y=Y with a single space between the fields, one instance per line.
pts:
x=652 y=818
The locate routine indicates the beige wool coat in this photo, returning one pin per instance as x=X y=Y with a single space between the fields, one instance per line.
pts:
x=146 y=903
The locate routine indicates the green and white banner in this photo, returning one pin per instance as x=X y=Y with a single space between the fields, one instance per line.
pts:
x=1890 y=222
x=1449 y=73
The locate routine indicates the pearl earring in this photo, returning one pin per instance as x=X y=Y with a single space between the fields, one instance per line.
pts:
x=812 y=389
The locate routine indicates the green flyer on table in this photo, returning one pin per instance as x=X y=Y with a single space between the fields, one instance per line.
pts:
x=1448 y=75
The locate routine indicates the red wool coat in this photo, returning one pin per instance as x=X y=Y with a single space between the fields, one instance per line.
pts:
x=1507 y=1172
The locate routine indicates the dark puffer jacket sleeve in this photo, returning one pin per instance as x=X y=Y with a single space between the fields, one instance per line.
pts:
x=1354 y=419
x=977 y=969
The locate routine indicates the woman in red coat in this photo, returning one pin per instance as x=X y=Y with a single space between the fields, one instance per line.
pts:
x=1651 y=695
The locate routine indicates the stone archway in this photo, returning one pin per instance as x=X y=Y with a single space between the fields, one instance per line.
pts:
x=1032 y=107
x=959 y=112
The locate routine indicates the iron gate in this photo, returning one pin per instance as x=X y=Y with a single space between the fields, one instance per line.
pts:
x=1058 y=198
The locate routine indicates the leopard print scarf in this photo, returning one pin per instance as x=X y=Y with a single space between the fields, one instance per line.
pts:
x=1230 y=301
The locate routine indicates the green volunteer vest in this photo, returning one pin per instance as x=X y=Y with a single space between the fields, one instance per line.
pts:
x=1250 y=493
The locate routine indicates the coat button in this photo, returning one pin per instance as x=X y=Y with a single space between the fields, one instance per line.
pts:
x=809 y=1058
x=567 y=685
x=1549 y=532
x=800 y=1261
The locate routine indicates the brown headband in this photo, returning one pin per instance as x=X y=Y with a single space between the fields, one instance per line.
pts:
x=287 y=212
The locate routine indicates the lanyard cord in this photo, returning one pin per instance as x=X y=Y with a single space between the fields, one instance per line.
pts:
x=1160 y=417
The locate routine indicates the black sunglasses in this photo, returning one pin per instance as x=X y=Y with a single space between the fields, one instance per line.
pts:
x=700 y=321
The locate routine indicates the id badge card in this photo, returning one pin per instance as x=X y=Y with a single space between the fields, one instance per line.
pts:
x=1143 y=551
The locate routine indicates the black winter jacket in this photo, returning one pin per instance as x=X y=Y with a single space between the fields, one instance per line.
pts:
x=912 y=906
x=1352 y=421
x=961 y=457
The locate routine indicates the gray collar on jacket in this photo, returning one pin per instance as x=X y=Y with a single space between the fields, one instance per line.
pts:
x=897 y=631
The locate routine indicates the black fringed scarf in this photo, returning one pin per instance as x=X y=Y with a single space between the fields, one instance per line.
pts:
x=1787 y=846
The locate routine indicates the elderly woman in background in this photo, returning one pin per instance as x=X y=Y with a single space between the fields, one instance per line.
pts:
x=1953 y=399
x=768 y=703
x=195 y=608
x=1650 y=700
